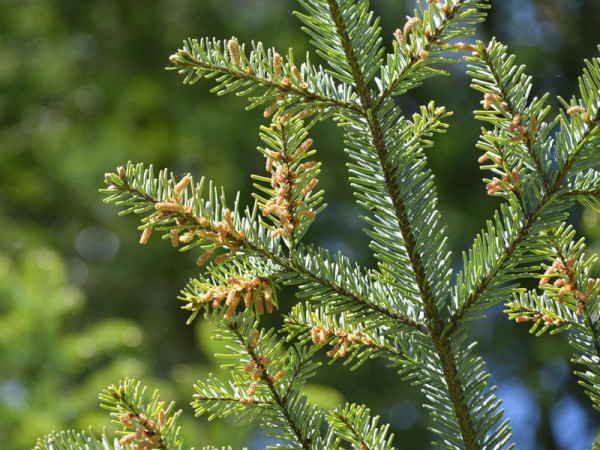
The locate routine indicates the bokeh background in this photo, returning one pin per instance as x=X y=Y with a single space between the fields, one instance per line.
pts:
x=83 y=89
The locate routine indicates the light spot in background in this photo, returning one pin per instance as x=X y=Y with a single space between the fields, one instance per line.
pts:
x=525 y=24
x=77 y=271
x=523 y=21
x=590 y=218
x=72 y=298
x=12 y=394
x=335 y=245
x=483 y=330
x=403 y=414
x=97 y=243
x=522 y=409
x=554 y=374
x=85 y=347
x=182 y=373
x=10 y=51
x=82 y=46
x=131 y=336
x=5 y=265
x=570 y=425
x=326 y=397
x=46 y=259
x=133 y=367
x=259 y=440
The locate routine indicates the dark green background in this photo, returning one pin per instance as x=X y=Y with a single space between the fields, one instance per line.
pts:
x=83 y=89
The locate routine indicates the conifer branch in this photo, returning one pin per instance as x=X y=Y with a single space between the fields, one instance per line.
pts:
x=275 y=379
x=71 y=439
x=586 y=341
x=558 y=304
x=279 y=400
x=442 y=343
x=354 y=425
x=319 y=273
x=506 y=92
x=235 y=401
x=588 y=139
x=288 y=198
x=146 y=421
x=408 y=67
x=362 y=35
x=204 y=58
x=427 y=123
x=577 y=193
x=136 y=188
x=399 y=311
x=147 y=433
x=567 y=302
x=378 y=142
x=546 y=210
x=356 y=342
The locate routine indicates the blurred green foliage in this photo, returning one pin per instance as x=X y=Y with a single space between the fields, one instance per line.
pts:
x=82 y=90
x=50 y=369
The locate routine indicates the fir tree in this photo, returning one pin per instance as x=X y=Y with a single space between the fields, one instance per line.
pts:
x=407 y=309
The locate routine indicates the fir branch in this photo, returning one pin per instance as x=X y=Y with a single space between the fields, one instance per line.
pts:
x=406 y=69
x=428 y=122
x=354 y=425
x=147 y=421
x=361 y=37
x=391 y=182
x=220 y=400
x=354 y=309
x=542 y=310
x=585 y=187
x=571 y=301
x=206 y=58
x=314 y=273
x=479 y=404
x=517 y=121
x=135 y=187
x=586 y=341
x=356 y=342
x=292 y=202
x=242 y=279
x=442 y=343
x=563 y=300
x=277 y=400
x=585 y=150
x=546 y=211
x=353 y=345
x=369 y=297
x=71 y=439
x=579 y=133
x=233 y=400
